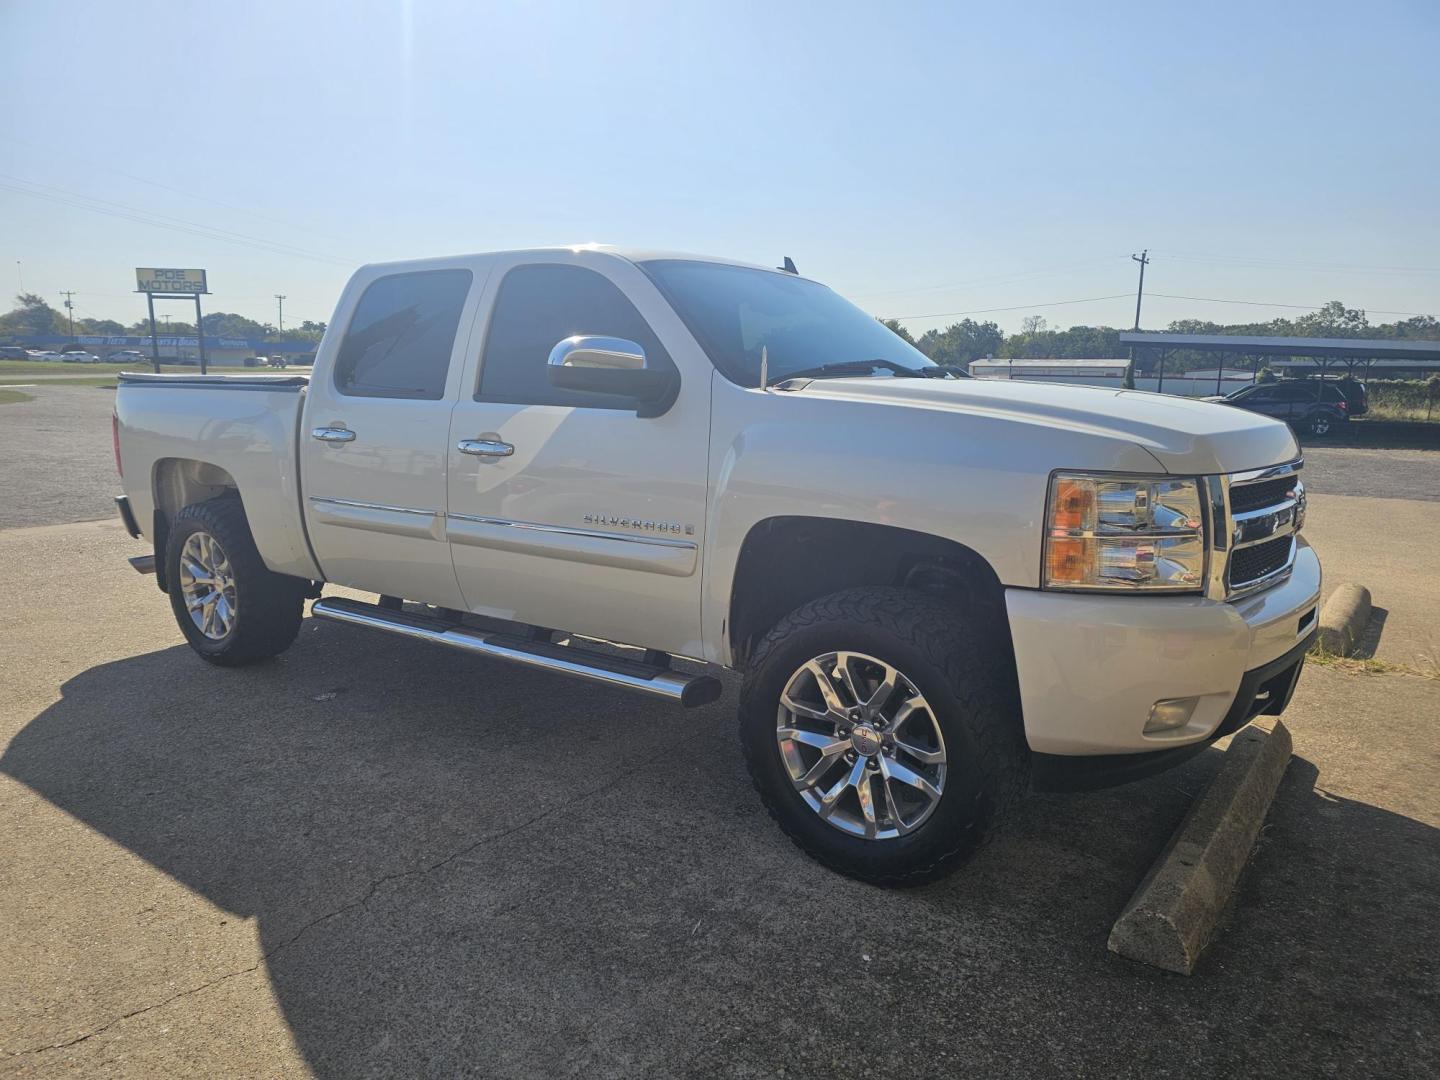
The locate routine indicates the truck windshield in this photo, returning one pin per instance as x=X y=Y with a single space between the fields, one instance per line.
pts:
x=735 y=311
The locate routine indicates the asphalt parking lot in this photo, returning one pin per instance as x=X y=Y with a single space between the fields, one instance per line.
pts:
x=373 y=858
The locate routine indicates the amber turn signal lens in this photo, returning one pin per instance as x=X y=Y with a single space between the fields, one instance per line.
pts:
x=1067 y=560
x=1074 y=505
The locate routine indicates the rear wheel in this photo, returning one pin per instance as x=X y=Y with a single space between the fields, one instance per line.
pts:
x=883 y=738
x=230 y=607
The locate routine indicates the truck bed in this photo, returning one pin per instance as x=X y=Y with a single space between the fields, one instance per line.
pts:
x=215 y=382
x=184 y=438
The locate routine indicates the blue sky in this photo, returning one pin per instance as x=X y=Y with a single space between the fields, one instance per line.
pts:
x=924 y=159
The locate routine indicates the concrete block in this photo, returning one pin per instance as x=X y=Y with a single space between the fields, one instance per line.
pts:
x=1169 y=920
x=1343 y=619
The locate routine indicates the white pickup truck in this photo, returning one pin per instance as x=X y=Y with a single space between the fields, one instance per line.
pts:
x=940 y=592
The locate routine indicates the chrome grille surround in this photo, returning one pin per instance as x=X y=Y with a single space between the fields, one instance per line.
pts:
x=1281 y=517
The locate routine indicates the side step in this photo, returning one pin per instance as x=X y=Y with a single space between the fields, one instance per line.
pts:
x=687 y=690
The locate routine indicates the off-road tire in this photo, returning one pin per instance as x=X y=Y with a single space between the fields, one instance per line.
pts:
x=970 y=684
x=269 y=606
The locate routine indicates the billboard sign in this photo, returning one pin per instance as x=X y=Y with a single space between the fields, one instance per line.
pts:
x=158 y=280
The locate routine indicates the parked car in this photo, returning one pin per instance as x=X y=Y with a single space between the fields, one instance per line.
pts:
x=13 y=352
x=46 y=354
x=127 y=356
x=939 y=591
x=1306 y=405
x=1356 y=396
x=79 y=356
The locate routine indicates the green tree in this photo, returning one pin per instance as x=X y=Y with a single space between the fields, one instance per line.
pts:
x=1334 y=320
x=961 y=342
x=98 y=326
x=889 y=324
x=32 y=315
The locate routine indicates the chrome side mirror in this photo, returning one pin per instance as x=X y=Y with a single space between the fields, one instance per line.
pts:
x=614 y=366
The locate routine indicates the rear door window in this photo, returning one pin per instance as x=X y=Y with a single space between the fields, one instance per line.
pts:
x=400 y=338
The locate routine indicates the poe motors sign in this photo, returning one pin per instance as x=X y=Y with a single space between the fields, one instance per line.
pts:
x=150 y=279
x=165 y=283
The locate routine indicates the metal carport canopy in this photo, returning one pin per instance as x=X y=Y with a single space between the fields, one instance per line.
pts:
x=1372 y=348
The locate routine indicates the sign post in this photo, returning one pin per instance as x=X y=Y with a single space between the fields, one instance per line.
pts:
x=159 y=283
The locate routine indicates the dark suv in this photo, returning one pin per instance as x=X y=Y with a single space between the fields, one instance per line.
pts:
x=1310 y=405
x=1356 y=396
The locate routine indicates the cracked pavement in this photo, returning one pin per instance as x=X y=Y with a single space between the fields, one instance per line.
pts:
x=376 y=858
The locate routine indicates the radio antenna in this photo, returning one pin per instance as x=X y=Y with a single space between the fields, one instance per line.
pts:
x=764 y=368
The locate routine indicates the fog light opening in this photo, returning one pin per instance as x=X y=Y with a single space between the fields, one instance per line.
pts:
x=1170 y=714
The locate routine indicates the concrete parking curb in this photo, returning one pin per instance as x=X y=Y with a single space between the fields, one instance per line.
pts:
x=1343 y=619
x=1170 y=918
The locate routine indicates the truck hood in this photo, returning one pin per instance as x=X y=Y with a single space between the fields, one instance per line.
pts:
x=1183 y=435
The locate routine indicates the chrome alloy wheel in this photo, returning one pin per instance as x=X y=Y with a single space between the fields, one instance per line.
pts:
x=208 y=585
x=861 y=745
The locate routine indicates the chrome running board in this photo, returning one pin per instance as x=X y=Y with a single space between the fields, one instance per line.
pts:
x=654 y=679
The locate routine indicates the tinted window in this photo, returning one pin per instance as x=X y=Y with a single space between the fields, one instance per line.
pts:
x=1294 y=392
x=540 y=306
x=401 y=336
x=736 y=311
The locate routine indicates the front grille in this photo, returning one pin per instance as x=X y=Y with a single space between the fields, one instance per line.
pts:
x=1266 y=493
x=1253 y=563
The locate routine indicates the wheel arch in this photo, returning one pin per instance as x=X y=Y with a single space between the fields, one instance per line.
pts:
x=178 y=482
x=175 y=483
x=789 y=560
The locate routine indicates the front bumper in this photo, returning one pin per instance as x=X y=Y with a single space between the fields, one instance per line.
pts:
x=1092 y=666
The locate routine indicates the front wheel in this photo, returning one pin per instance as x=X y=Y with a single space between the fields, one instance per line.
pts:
x=883 y=738
x=1321 y=423
x=231 y=608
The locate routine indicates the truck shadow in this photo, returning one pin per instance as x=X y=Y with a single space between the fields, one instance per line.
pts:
x=455 y=866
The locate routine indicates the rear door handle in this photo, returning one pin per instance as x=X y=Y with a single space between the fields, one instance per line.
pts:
x=333 y=434
x=485 y=447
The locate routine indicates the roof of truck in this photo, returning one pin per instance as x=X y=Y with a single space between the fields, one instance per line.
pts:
x=635 y=255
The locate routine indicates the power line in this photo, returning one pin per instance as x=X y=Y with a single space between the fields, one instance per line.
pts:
x=1264 y=262
x=1016 y=307
x=50 y=152
x=994 y=280
x=145 y=217
x=1262 y=303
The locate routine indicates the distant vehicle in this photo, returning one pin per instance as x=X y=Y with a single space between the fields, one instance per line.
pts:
x=1305 y=404
x=79 y=356
x=45 y=354
x=13 y=352
x=277 y=362
x=1356 y=396
x=126 y=356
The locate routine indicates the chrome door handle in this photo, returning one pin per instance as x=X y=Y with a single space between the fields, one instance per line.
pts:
x=485 y=447
x=333 y=434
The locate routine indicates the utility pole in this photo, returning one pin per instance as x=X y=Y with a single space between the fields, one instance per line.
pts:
x=1143 y=259
x=280 y=323
x=69 y=310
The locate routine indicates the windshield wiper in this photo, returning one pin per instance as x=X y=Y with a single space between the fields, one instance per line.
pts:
x=940 y=371
x=848 y=367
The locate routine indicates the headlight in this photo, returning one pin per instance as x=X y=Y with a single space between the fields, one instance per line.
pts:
x=1135 y=534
